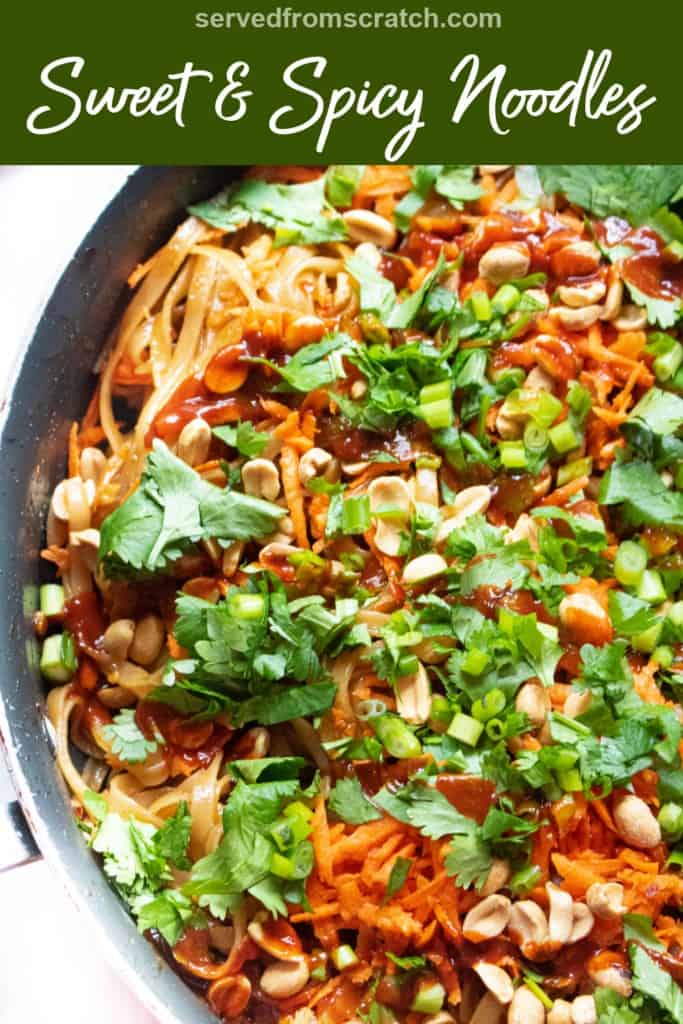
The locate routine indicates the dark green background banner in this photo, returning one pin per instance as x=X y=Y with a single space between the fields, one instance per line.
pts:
x=134 y=43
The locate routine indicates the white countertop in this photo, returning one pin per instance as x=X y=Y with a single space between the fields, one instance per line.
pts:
x=51 y=969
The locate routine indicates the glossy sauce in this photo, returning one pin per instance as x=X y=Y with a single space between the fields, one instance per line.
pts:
x=648 y=268
x=84 y=620
x=188 y=744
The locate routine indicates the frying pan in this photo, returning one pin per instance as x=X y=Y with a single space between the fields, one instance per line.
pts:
x=53 y=383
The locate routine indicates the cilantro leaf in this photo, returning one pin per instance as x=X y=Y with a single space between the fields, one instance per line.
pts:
x=378 y=295
x=629 y=614
x=173 y=838
x=128 y=742
x=315 y=366
x=348 y=801
x=468 y=860
x=342 y=181
x=663 y=312
x=426 y=809
x=652 y=981
x=243 y=436
x=644 y=498
x=453 y=181
x=95 y=804
x=168 y=913
x=297 y=213
x=638 y=928
x=171 y=509
x=283 y=703
x=633 y=191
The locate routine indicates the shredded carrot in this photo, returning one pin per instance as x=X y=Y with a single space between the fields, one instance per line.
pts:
x=74 y=450
x=561 y=495
x=321 y=840
x=289 y=465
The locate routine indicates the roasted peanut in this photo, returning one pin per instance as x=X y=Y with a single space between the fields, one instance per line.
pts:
x=118 y=636
x=576 y=319
x=606 y=900
x=497 y=878
x=576 y=703
x=560 y=1012
x=148 y=640
x=366 y=226
x=503 y=262
x=194 y=442
x=467 y=503
x=631 y=318
x=577 y=296
x=613 y=300
x=261 y=479
x=424 y=567
x=636 y=824
x=585 y=620
x=584 y=1011
x=528 y=925
x=487 y=919
x=285 y=978
x=525 y=1008
x=533 y=701
x=390 y=492
x=615 y=977
x=561 y=917
x=582 y=923
x=313 y=463
x=414 y=696
x=496 y=980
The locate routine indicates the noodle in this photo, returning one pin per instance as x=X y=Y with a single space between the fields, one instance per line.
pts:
x=367 y=645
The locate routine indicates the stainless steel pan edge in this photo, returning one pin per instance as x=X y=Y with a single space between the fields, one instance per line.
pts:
x=51 y=386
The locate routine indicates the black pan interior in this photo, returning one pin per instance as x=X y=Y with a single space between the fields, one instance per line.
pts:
x=52 y=387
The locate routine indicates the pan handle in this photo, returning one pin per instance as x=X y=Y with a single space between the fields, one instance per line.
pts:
x=17 y=845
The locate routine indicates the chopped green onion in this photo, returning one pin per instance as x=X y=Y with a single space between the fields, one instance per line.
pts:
x=542 y=996
x=507 y=379
x=667 y=364
x=571 y=723
x=436 y=405
x=524 y=880
x=407 y=664
x=674 y=251
x=540 y=406
x=535 y=437
x=343 y=957
x=675 y=614
x=435 y=392
x=356 y=514
x=651 y=587
x=466 y=729
x=247 y=606
x=440 y=713
x=429 y=998
x=281 y=866
x=395 y=736
x=663 y=656
x=563 y=437
x=573 y=470
x=570 y=781
x=58 y=658
x=474 y=662
x=648 y=639
x=51 y=599
x=488 y=706
x=481 y=306
x=670 y=819
x=495 y=729
x=297 y=809
x=630 y=563
x=512 y=454
x=505 y=299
